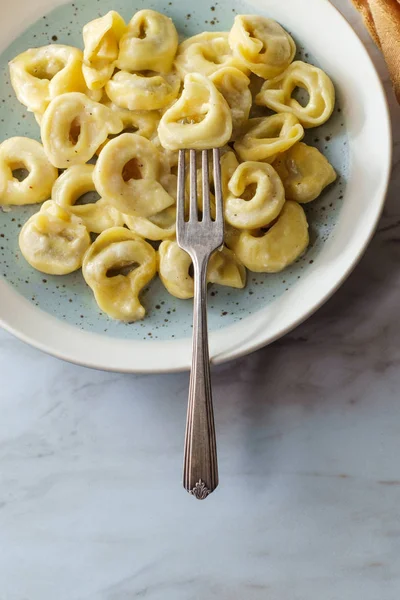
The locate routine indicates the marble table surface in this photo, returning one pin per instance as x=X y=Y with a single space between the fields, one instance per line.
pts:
x=91 y=503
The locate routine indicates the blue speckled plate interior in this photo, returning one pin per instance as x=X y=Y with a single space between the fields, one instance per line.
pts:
x=68 y=298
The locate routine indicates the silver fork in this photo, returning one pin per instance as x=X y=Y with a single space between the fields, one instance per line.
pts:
x=200 y=238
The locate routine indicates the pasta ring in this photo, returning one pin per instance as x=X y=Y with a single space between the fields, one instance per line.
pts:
x=73 y=127
x=54 y=241
x=262 y=45
x=139 y=91
x=277 y=94
x=127 y=174
x=40 y=74
x=174 y=263
x=305 y=172
x=101 y=39
x=265 y=202
x=103 y=265
x=205 y=53
x=150 y=43
x=24 y=153
x=234 y=86
x=74 y=183
x=200 y=119
x=265 y=137
x=142 y=122
x=273 y=250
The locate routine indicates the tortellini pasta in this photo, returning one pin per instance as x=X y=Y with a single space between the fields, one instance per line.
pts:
x=262 y=45
x=234 y=86
x=256 y=196
x=41 y=74
x=265 y=137
x=54 y=241
x=205 y=53
x=200 y=119
x=143 y=91
x=74 y=183
x=73 y=127
x=23 y=153
x=305 y=172
x=127 y=174
x=277 y=94
x=149 y=44
x=273 y=250
x=101 y=39
x=174 y=263
x=117 y=266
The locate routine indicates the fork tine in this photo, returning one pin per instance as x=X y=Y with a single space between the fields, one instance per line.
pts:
x=206 y=186
x=180 y=209
x=193 y=187
x=218 y=187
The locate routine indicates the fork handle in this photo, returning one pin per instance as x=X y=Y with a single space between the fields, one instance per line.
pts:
x=200 y=472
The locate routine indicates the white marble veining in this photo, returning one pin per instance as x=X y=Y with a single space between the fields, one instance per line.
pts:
x=91 y=504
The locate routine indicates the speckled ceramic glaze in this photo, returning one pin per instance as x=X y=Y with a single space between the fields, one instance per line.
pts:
x=69 y=301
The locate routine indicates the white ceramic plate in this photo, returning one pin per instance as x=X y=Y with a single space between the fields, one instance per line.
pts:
x=60 y=317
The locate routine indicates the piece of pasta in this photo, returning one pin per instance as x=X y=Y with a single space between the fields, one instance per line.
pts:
x=266 y=137
x=205 y=53
x=101 y=39
x=174 y=265
x=277 y=94
x=273 y=250
x=128 y=173
x=143 y=91
x=262 y=45
x=74 y=183
x=39 y=75
x=73 y=127
x=200 y=119
x=117 y=267
x=304 y=172
x=54 y=241
x=234 y=86
x=150 y=43
x=23 y=153
x=256 y=196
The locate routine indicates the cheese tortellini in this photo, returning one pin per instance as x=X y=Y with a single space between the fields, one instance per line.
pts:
x=26 y=154
x=54 y=241
x=112 y=119
x=117 y=266
x=277 y=94
x=304 y=172
x=262 y=45
x=149 y=44
x=200 y=119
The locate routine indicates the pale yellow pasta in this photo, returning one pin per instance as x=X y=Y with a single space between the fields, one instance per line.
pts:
x=101 y=40
x=24 y=153
x=54 y=241
x=205 y=53
x=40 y=74
x=150 y=43
x=174 y=263
x=234 y=86
x=127 y=174
x=262 y=45
x=73 y=127
x=256 y=196
x=74 y=183
x=277 y=94
x=161 y=226
x=273 y=250
x=143 y=91
x=200 y=119
x=305 y=172
x=266 y=137
x=142 y=122
x=106 y=269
